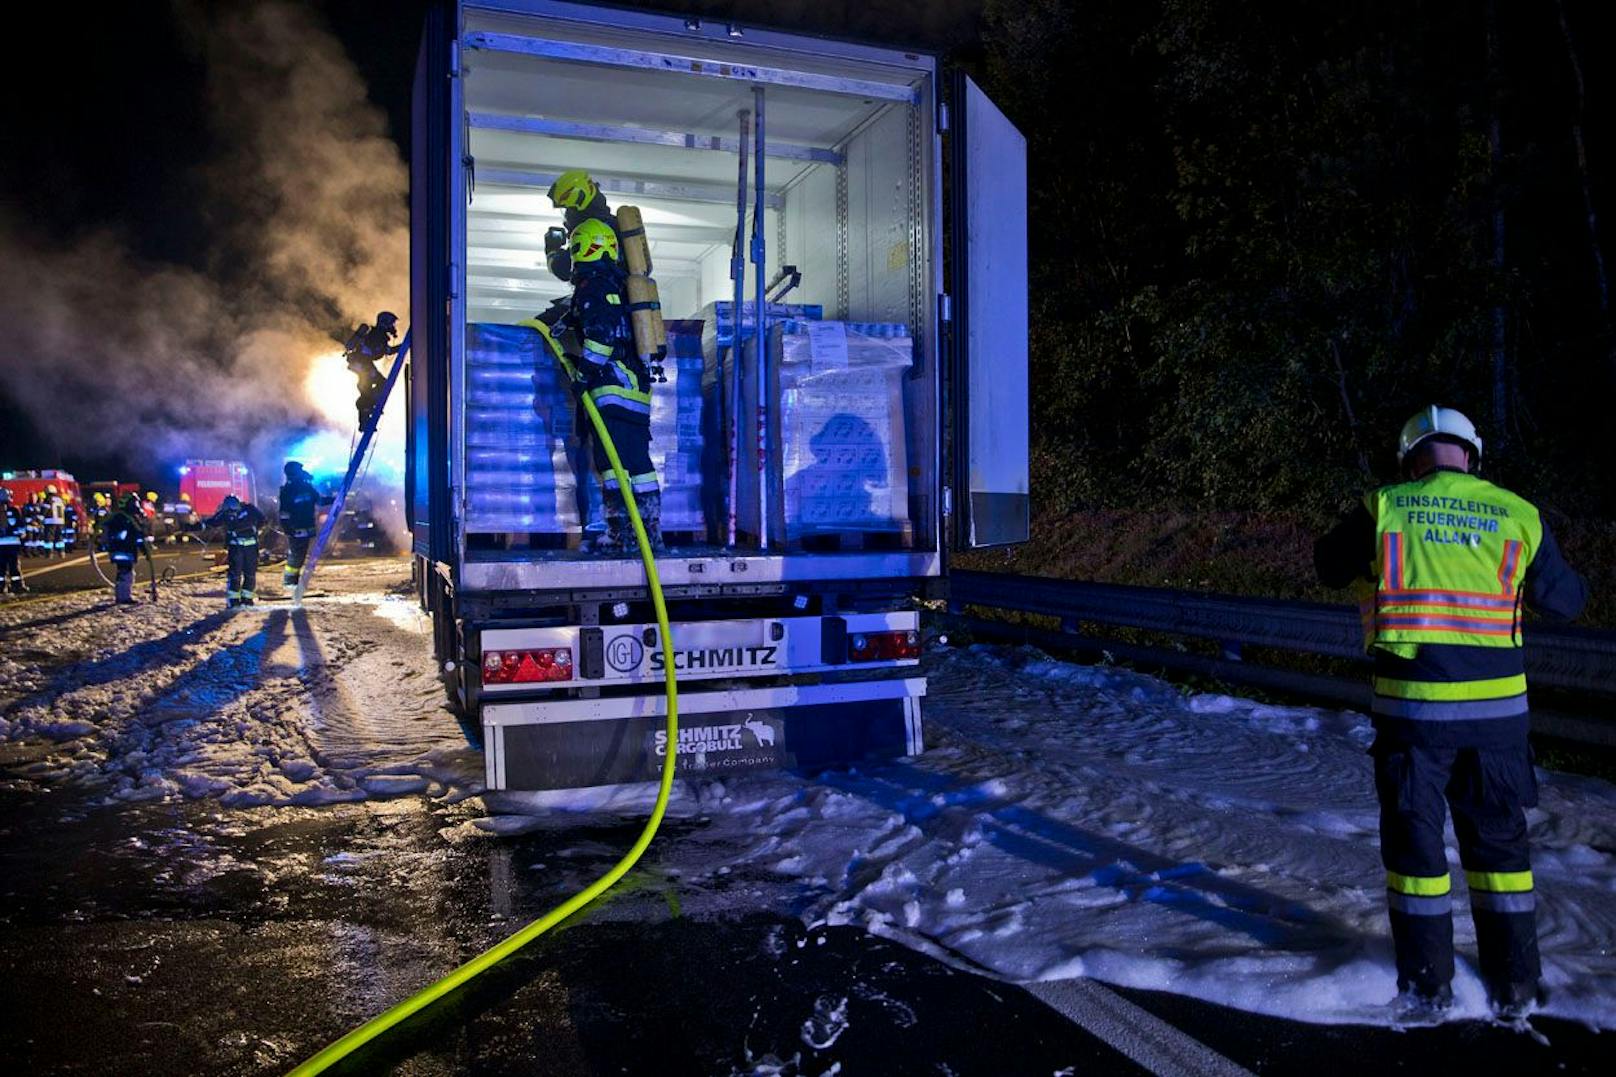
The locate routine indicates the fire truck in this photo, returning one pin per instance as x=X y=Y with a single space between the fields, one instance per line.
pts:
x=209 y=482
x=25 y=484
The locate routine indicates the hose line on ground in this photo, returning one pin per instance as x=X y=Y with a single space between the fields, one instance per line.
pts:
x=486 y=960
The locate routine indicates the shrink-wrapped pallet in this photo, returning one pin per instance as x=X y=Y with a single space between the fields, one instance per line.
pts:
x=521 y=441
x=677 y=437
x=718 y=394
x=835 y=447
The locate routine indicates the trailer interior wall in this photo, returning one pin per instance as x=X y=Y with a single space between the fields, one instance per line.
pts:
x=850 y=177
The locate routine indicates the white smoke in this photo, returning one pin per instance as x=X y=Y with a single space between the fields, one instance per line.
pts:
x=307 y=201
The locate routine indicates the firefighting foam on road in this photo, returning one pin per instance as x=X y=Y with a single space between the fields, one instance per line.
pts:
x=1198 y=844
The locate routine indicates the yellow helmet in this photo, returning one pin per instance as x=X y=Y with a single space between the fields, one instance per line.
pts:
x=186 y=498
x=573 y=190
x=98 y=498
x=151 y=495
x=593 y=240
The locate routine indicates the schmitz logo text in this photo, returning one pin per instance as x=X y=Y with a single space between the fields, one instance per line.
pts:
x=719 y=658
x=717 y=738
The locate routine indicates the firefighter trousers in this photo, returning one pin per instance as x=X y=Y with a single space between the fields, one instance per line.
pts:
x=241 y=573
x=10 y=569
x=123 y=587
x=1488 y=790
x=297 y=552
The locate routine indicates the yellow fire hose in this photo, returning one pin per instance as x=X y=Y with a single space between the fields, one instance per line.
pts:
x=486 y=960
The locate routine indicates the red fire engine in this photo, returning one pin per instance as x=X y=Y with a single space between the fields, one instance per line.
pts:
x=208 y=482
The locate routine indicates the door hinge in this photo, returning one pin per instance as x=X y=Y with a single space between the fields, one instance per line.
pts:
x=948 y=501
x=454 y=59
x=942 y=116
x=945 y=307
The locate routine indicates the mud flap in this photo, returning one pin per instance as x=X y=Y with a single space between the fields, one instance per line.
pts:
x=720 y=733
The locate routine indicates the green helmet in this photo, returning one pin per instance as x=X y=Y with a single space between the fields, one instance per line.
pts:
x=1433 y=422
x=593 y=240
x=573 y=190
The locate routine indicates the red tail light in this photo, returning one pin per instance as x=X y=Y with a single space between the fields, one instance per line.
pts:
x=883 y=646
x=539 y=666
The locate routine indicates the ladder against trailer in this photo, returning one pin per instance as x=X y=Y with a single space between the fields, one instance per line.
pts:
x=367 y=434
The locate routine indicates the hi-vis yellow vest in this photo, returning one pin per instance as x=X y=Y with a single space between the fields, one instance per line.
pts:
x=1451 y=551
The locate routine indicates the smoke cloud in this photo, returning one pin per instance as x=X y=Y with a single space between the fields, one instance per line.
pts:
x=308 y=200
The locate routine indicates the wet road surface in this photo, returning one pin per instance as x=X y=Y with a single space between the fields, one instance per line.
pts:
x=181 y=937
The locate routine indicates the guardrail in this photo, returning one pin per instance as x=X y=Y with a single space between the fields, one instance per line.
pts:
x=1579 y=662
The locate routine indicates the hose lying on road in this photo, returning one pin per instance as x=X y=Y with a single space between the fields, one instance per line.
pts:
x=486 y=960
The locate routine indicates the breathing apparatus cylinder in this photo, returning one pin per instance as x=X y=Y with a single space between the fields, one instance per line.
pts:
x=644 y=300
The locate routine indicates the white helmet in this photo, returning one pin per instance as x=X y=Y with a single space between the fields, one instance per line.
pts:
x=1437 y=422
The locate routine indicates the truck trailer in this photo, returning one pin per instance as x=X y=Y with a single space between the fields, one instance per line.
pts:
x=839 y=405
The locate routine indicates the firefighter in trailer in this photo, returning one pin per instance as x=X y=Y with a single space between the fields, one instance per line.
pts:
x=362 y=350
x=1444 y=562
x=123 y=537
x=240 y=522
x=581 y=199
x=11 y=536
x=298 y=511
x=609 y=372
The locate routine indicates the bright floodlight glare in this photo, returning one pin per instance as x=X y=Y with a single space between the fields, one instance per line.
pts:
x=330 y=389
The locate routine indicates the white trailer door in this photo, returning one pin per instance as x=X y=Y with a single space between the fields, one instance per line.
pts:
x=988 y=203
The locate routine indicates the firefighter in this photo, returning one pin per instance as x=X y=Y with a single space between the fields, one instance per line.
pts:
x=241 y=523
x=1444 y=562
x=362 y=350
x=581 y=199
x=299 y=504
x=54 y=518
x=123 y=537
x=11 y=538
x=70 y=527
x=34 y=524
x=149 y=508
x=608 y=371
x=100 y=505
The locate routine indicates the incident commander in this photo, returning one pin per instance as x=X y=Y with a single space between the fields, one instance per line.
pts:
x=1444 y=562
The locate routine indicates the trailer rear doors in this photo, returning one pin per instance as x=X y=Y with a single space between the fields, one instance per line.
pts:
x=988 y=386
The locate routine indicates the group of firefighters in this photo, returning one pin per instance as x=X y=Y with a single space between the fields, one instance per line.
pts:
x=43 y=524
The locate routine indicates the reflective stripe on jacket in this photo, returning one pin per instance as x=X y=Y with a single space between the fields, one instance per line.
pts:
x=1451 y=553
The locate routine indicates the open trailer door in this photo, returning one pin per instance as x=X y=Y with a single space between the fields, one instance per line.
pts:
x=988 y=386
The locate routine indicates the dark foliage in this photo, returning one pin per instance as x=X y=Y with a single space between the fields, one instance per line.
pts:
x=1263 y=234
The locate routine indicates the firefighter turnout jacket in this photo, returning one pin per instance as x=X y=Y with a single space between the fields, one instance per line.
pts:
x=1444 y=565
x=240 y=522
x=122 y=535
x=299 y=502
x=611 y=372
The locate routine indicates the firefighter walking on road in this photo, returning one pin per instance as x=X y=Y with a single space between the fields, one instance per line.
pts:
x=11 y=538
x=300 y=503
x=367 y=345
x=1444 y=562
x=240 y=523
x=123 y=537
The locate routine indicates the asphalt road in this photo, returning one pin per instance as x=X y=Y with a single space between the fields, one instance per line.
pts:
x=184 y=937
x=76 y=572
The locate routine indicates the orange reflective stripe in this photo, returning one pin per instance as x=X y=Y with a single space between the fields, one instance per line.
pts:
x=1510 y=563
x=1391 y=558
